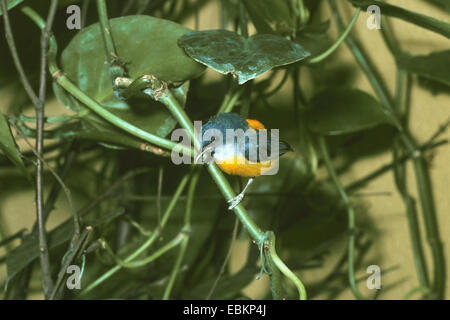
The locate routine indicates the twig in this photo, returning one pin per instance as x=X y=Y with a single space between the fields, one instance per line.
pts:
x=282 y=266
x=39 y=103
x=116 y=68
x=40 y=112
x=61 y=183
x=140 y=263
x=338 y=42
x=25 y=275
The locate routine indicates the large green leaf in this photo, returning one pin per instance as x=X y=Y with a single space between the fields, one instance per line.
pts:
x=9 y=147
x=344 y=110
x=10 y=4
x=228 y=52
x=148 y=45
x=267 y=15
x=434 y=66
x=410 y=16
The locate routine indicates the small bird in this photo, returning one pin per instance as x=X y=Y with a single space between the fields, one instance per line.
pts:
x=246 y=156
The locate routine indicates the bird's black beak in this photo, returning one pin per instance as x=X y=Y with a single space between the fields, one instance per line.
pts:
x=284 y=147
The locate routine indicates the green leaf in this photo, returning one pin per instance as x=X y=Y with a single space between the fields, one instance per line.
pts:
x=9 y=147
x=433 y=66
x=10 y=4
x=268 y=15
x=227 y=52
x=344 y=110
x=410 y=16
x=148 y=45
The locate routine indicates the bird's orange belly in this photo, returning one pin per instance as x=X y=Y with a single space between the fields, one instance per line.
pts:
x=244 y=168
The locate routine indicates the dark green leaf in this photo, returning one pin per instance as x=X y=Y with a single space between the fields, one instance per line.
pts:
x=228 y=52
x=9 y=147
x=267 y=13
x=410 y=16
x=10 y=4
x=345 y=110
x=434 y=66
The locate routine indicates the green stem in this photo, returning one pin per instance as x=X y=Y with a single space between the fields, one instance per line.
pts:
x=187 y=228
x=360 y=56
x=411 y=212
x=400 y=181
x=140 y=263
x=115 y=65
x=108 y=42
x=229 y=103
x=276 y=286
x=283 y=268
x=302 y=12
x=279 y=86
x=429 y=214
x=243 y=23
x=351 y=217
x=341 y=39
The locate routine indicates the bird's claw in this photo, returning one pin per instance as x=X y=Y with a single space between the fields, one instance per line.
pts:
x=235 y=201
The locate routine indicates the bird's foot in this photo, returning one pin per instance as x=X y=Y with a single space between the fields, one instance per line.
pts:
x=235 y=201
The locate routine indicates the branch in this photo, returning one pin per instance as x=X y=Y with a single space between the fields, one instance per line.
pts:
x=40 y=111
